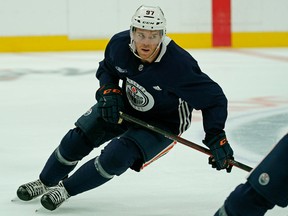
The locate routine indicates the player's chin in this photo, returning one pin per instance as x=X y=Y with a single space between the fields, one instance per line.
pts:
x=145 y=55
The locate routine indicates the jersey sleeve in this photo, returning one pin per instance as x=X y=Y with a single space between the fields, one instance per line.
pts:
x=202 y=93
x=105 y=73
x=115 y=55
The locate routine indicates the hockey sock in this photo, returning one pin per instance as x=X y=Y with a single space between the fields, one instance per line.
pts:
x=85 y=178
x=115 y=159
x=54 y=171
x=73 y=147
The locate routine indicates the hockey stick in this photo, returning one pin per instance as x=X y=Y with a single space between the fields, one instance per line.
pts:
x=179 y=139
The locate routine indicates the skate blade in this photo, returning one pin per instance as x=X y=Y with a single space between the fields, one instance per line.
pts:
x=15 y=199
x=41 y=210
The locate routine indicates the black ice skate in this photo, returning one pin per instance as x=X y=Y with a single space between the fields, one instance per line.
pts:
x=55 y=197
x=31 y=190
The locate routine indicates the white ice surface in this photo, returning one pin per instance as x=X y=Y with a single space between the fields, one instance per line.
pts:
x=42 y=94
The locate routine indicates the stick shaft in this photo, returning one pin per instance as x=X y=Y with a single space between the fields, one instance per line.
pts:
x=179 y=139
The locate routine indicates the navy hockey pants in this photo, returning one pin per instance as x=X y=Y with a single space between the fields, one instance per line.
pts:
x=115 y=158
x=129 y=147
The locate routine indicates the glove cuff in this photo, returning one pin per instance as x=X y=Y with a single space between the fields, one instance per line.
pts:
x=219 y=139
x=107 y=89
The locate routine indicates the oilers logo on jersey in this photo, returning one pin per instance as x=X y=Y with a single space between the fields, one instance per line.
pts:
x=138 y=97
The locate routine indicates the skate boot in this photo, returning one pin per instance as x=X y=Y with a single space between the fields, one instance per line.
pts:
x=55 y=197
x=31 y=190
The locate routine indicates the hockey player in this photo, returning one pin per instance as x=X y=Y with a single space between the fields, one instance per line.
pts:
x=266 y=186
x=160 y=83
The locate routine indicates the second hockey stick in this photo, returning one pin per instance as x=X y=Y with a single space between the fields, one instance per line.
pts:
x=179 y=139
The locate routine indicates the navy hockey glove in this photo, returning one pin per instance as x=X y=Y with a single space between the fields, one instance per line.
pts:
x=221 y=152
x=110 y=102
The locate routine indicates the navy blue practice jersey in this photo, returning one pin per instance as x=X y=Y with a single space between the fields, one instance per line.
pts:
x=166 y=91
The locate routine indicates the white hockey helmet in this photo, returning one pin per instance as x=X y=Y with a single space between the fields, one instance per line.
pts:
x=150 y=18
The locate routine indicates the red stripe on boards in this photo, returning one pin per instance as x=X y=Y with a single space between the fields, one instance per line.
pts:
x=221 y=23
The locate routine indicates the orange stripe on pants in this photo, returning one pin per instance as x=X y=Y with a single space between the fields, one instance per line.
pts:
x=162 y=153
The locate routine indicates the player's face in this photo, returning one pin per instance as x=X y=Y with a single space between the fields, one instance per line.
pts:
x=146 y=42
